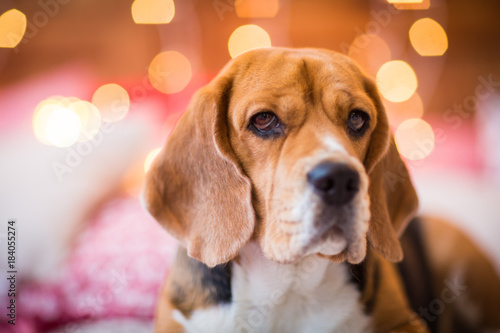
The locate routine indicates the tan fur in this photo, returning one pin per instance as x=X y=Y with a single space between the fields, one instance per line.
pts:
x=391 y=310
x=184 y=195
x=164 y=322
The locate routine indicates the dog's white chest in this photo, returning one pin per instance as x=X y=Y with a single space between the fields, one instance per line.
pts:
x=312 y=296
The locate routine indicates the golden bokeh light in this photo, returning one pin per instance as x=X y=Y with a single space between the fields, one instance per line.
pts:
x=39 y=120
x=415 y=139
x=54 y=121
x=12 y=28
x=404 y=1
x=153 y=11
x=90 y=119
x=42 y=112
x=396 y=81
x=246 y=38
x=428 y=37
x=150 y=158
x=112 y=101
x=256 y=8
x=411 y=4
x=62 y=125
x=370 y=52
x=399 y=112
x=170 y=72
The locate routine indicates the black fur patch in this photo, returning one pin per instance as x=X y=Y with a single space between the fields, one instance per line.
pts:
x=415 y=270
x=218 y=281
x=194 y=285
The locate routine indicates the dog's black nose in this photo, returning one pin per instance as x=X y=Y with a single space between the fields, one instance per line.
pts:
x=336 y=183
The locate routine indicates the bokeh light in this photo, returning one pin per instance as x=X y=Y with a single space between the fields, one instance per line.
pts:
x=53 y=121
x=112 y=101
x=411 y=4
x=396 y=81
x=67 y=101
x=428 y=37
x=62 y=125
x=153 y=11
x=246 y=38
x=170 y=72
x=256 y=8
x=399 y=112
x=414 y=139
x=404 y=1
x=12 y=28
x=150 y=158
x=90 y=119
x=370 y=52
x=42 y=111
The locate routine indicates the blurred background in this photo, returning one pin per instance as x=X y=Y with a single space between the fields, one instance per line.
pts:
x=89 y=90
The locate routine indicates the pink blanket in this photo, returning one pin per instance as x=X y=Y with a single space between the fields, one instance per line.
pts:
x=114 y=271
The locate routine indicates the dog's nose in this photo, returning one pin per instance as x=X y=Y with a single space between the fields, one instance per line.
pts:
x=336 y=183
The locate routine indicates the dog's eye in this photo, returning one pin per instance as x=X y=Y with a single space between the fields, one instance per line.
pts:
x=265 y=121
x=357 y=120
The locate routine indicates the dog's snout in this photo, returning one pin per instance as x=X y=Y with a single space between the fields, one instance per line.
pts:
x=336 y=183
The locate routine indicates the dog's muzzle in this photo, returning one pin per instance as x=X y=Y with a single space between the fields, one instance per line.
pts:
x=336 y=183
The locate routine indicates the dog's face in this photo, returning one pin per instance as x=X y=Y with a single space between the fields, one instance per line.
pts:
x=300 y=126
x=292 y=148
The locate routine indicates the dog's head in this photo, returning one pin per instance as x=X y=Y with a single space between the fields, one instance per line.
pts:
x=291 y=148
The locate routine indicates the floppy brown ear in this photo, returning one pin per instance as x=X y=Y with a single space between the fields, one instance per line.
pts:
x=196 y=188
x=393 y=199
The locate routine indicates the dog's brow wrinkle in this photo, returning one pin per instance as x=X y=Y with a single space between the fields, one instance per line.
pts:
x=309 y=89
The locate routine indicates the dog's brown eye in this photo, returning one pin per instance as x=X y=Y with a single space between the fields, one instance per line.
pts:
x=357 y=120
x=265 y=121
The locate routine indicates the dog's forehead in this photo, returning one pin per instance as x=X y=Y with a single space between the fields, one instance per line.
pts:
x=303 y=68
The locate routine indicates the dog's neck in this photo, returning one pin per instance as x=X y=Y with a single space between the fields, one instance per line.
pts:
x=313 y=295
x=295 y=297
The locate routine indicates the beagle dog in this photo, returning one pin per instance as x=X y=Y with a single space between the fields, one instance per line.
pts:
x=285 y=189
